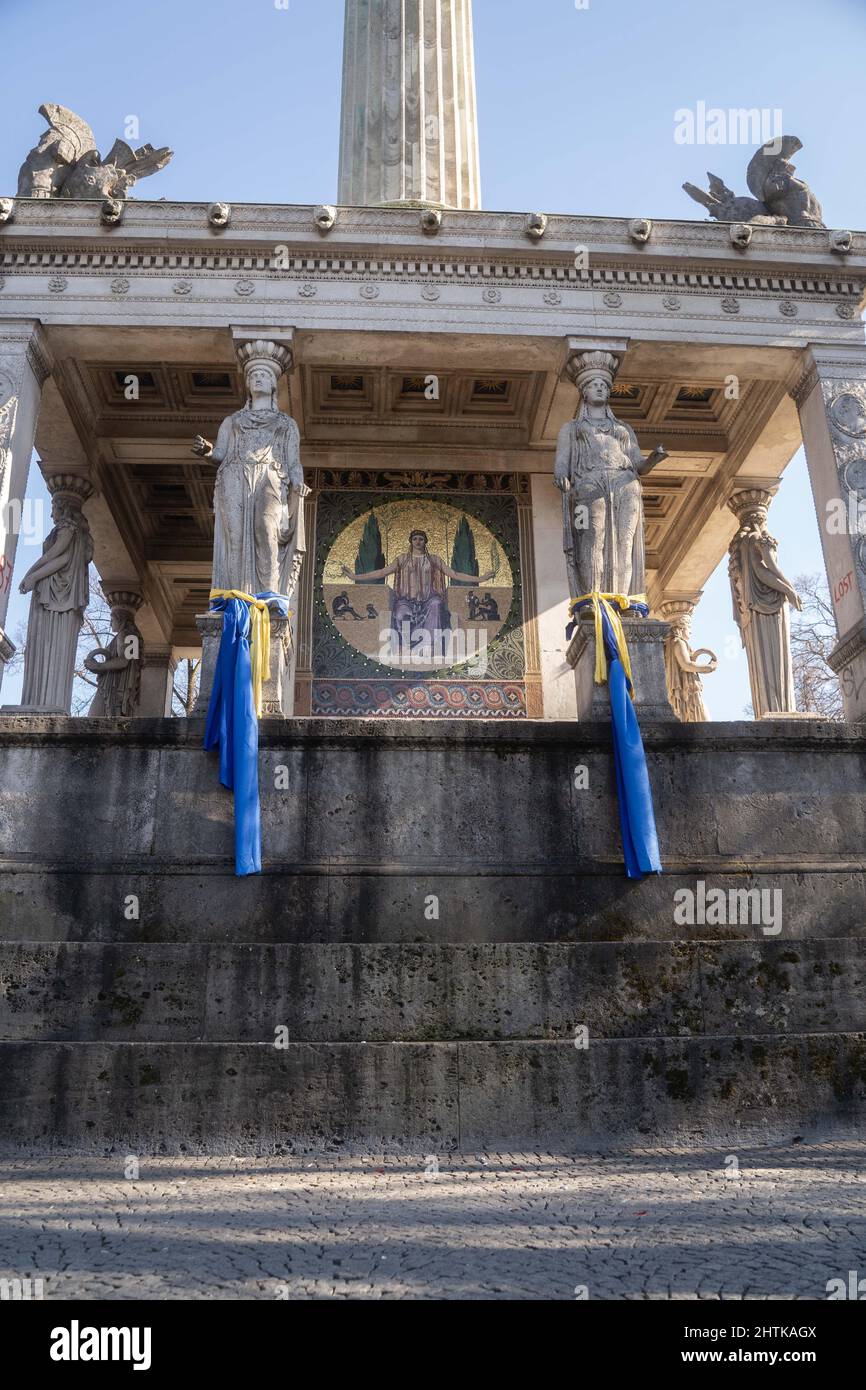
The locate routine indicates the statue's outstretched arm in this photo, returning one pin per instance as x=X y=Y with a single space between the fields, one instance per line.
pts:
x=687 y=662
x=203 y=448
x=646 y=465
x=111 y=663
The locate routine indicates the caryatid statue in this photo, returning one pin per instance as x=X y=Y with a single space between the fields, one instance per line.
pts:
x=117 y=667
x=60 y=587
x=259 y=542
x=599 y=466
x=682 y=667
x=761 y=595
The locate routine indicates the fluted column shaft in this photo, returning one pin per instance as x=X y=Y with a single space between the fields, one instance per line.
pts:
x=409 y=124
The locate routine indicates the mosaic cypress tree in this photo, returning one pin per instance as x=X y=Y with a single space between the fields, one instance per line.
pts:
x=370 y=553
x=463 y=558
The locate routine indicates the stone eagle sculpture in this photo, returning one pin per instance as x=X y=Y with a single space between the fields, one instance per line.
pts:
x=67 y=164
x=779 y=198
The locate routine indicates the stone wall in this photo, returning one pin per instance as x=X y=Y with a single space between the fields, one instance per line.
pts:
x=155 y=1024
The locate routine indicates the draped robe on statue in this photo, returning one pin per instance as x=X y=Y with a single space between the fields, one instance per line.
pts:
x=56 y=616
x=601 y=458
x=117 y=692
x=685 y=687
x=761 y=611
x=259 y=539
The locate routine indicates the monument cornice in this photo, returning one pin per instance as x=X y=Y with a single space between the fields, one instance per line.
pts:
x=850 y=645
x=493 y=233
x=613 y=268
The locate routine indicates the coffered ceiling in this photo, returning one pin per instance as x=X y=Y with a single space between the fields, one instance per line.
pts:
x=135 y=413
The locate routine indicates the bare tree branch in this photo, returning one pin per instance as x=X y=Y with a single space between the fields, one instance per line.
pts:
x=813 y=637
x=185 y=688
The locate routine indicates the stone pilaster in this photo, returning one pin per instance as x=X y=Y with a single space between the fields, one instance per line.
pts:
x=24 y=367
x=278 y=693
x=157 y=675
x=645 y=638
x=551 y=600
x=831 y=399
x=409 y=125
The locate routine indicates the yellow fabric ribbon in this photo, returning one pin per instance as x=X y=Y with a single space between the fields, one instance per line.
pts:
x=613 y=605
x=260 y=640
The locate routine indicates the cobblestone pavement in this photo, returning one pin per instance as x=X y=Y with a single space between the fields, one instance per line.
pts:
x=644 y=1224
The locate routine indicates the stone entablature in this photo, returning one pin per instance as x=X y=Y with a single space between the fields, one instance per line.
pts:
x=489 y=231
x=481 y=273
x=365 y=287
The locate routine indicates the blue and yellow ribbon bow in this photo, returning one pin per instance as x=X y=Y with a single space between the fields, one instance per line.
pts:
x=260 y=639
x=235 y=708
x=610 y=606
x=612 y=665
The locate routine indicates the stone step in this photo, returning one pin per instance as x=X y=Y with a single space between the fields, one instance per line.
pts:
x=214 y=993
x=233 y=1097
x=461 y=902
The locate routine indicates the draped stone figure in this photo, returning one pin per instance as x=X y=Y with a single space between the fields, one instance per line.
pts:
x=117 y=667
x=60 y=588
x=598 y=470
x=682 y=668
x=259 y=540
x=761 y=595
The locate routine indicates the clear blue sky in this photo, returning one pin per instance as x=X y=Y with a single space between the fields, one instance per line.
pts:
x=576 y=112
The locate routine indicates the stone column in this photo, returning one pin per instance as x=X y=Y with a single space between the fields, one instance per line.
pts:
x=551 y=600
x=409 y=125
x=831 y=399
x=24 y=367
x=645 y=639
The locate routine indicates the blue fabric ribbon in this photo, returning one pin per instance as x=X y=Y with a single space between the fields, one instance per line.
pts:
x=636 y=812
x=233 y=727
